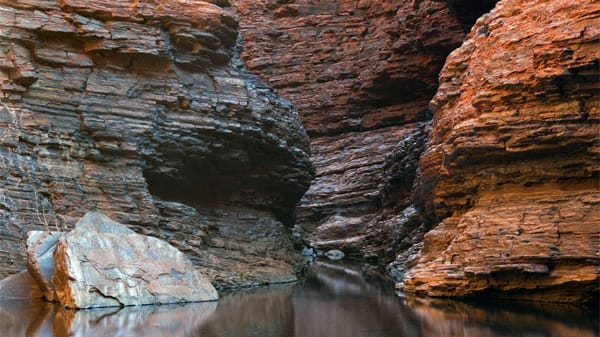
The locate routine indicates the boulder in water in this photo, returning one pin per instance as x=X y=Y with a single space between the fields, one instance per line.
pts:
x=103 y=263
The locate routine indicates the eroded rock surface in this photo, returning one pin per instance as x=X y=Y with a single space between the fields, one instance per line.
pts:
x=361 y=74
x=142 y=110
x=511 y=170
x=102 y=263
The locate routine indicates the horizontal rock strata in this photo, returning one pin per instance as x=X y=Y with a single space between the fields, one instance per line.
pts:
x=511 y=170
x=142 y=110
x=361 y=74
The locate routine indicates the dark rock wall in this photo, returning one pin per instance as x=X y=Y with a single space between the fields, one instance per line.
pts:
x=143 y=111
x=361 y=74
x=508 y=186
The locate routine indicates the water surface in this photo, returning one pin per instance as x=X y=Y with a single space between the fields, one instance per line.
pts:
x=333 y=301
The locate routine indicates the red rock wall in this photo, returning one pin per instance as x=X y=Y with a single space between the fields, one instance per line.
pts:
x=143 y=110
x=361 y=74
x=511 y=170
x=509 y=181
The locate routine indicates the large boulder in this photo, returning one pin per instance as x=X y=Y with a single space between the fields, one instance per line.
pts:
x=102 y=263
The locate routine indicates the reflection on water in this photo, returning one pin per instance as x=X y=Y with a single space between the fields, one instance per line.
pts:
x=42 y=319
x=333 y=301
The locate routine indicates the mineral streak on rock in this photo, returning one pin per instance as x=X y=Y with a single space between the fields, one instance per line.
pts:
x=361 y=74
x=40 y=259
x=142 y=109
x=510 y=177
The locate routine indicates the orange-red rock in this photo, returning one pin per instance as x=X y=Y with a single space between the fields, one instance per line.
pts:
x=510 y=176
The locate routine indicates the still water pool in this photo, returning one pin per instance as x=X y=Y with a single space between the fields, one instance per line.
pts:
x=333 y=301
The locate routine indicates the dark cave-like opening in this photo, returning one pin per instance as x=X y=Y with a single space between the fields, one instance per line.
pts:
x=468 y=11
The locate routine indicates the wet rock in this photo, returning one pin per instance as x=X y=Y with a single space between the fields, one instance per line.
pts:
x=102 y=263
x=334 y=254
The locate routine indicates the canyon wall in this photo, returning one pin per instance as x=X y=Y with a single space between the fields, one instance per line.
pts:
x=507 y=190
x=510 y=175
x=361 y=74
x=143 y=110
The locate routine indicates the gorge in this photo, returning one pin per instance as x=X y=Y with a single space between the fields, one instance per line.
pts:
x=455 y=142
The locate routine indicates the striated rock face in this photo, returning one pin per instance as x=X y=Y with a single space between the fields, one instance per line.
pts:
x=142 y=110
x=511 y=170
x=102 y=263
x=361 y=74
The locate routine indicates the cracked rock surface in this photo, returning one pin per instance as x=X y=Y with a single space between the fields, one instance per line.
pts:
x=103 y=263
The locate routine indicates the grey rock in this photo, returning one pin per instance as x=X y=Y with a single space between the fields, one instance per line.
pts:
x=308 y=251
x=335 y=254
x=102 y=264
x=98 y=222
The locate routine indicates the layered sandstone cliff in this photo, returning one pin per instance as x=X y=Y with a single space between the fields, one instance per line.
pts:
x=142 y=110
x=510 y=175
x=509 y=181
x=361 y=74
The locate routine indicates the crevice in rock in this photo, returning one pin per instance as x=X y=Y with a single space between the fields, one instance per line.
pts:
x=468 y=11
x=99 y=292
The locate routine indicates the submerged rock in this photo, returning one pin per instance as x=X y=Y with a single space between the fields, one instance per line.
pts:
x=103 y=263
x=335 y=254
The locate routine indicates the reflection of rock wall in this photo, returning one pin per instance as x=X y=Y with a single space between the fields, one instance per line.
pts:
x=334 y=301
x=511 y=170
x=143 y=111
x=472 y=319
x=361 y=74
x=27 y=318
x=256 y=312
x=340 y=301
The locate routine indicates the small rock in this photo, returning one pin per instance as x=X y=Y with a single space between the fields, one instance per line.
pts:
x=335 y=254
x=308 y=251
